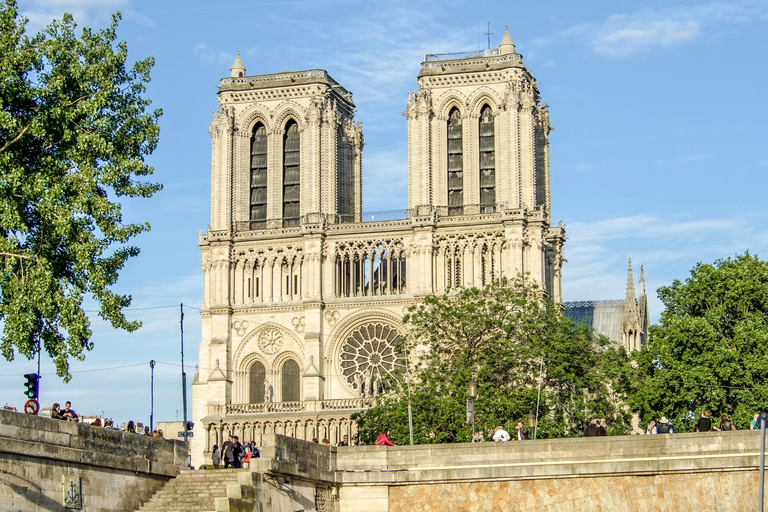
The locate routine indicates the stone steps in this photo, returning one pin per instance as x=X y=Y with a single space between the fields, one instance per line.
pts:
x=206 y=491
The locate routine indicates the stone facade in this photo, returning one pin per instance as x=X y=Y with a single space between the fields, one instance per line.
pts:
x=46 y=463
x=303 y=302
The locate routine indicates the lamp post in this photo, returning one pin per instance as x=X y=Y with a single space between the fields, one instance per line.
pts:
x=151 y=394
x=763 y=419
x=472 y=392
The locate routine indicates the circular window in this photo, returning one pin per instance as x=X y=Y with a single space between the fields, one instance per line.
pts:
x=370 y=357
x=270 y=341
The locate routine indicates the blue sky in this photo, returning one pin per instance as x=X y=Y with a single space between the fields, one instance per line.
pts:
x=658 y=152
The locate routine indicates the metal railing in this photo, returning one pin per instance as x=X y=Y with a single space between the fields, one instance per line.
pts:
x=490 y=52
x=343 y=404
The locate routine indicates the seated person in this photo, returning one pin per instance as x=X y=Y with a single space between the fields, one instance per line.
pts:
x=68 y=413
x=56 y=412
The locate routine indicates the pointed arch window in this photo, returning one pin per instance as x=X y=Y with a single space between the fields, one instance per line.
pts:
x=290 y=389
x=291 y=174
x=487 y=159
x=258 y=215
x=455 y=163
x=256 y=377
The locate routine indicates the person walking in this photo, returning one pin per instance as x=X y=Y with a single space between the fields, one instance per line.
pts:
x=238 y=452
x=227 y=451
x=664 y=427
x=383 y=439
x=705 y=423
x=216 y=456
x=522 y=432
x=726 y=423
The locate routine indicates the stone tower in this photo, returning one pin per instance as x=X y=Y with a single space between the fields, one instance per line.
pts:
x=303 y=303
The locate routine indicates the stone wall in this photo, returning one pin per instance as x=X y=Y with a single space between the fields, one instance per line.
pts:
x=39 y=457
x=716 y=470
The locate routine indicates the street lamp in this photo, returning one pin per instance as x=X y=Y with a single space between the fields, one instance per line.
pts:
x=472 y=392
x=763 y=422
x=151 y=394
x=531 y=419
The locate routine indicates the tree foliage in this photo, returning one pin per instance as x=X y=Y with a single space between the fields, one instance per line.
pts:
x=74 y=131
x=506 y=337
x=709 y=351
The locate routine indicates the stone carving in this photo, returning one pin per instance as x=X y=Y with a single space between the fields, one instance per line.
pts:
x=240 y=326
x=270 y=341
x=267 y=391
x=73 y=492
x=298 y=323
x=370 y=356
x=332 y=317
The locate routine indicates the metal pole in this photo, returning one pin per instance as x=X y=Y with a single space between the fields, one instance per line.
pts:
x=408 y=383
x=538 y=399
x=183 y=373
x=152 y=395
x=761 y=486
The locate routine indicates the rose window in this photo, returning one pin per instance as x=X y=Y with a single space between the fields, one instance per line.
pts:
x=270 y=341
x=370 y=358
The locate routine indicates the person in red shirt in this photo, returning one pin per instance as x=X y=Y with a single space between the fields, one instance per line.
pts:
x=383 y=439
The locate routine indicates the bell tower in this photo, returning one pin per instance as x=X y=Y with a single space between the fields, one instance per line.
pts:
x=286 y=150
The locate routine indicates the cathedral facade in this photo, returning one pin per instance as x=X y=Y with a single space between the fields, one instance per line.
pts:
x=303 y=302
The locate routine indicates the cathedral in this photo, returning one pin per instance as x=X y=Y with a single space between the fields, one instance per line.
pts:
x=303 y=301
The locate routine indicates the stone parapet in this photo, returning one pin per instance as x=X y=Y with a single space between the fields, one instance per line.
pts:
x=39 y=455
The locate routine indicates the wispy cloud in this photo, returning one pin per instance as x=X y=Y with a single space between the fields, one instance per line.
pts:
x=621 y=35
x=85 y=12
x=208 y=55
x=668 y=248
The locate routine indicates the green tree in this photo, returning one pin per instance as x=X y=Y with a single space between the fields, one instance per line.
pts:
x=506 y=337
x=74 y=131
x=709 y=351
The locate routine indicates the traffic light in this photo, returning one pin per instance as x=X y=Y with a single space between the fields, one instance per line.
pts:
x=32 y=385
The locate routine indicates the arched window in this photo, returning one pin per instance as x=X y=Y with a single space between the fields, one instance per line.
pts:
x=258 y=177
x=487 y=159
x=291 y=381
x=291 y=175
x=256 y=377
x=455 y=164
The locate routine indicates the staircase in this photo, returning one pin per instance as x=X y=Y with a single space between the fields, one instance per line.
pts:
x=221 y=490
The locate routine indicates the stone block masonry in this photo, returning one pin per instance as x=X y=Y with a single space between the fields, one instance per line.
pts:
x=116 y=470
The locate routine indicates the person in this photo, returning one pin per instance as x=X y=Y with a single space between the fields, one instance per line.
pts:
x=591 y=430
x=96 y=422
x=383 y=439
x=326 y=441
x=477 y=437
x=755 y=423
x=344 y=441
x=160 y=433
x=726 y=424
x=238 y=452
x=255 y=453
x=68 y=413
x=131 y=427
x=216 y=456
x=600 y=429
x=500 y=435
x=522 y=432
x=227 y=449
x=705 y=423
x=315 y=440
x=108 y=423
x=56 y=412
x=652 y=426
x=664 y=426
x=147 y=432
x=155 y=434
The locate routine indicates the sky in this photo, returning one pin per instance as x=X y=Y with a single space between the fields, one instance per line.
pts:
x=658 y=152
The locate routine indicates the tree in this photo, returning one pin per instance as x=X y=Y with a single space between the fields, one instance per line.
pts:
x=709 y=351
x=74 y=132
x=506 y=337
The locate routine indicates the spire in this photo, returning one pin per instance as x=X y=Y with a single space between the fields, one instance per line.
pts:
x=237 y=70
x=507 y=45
x=642 y=282
x=630 y=303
